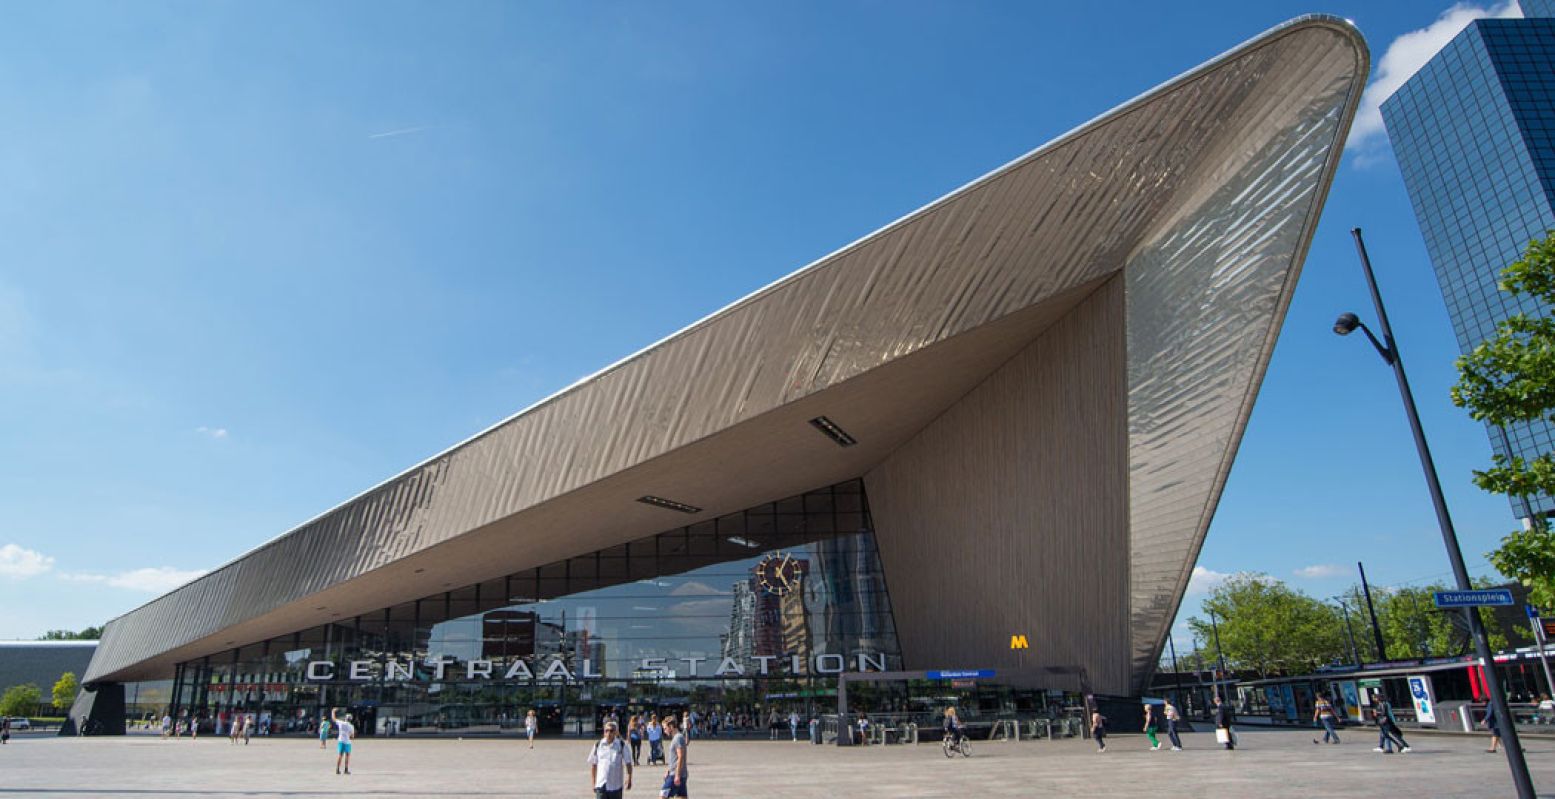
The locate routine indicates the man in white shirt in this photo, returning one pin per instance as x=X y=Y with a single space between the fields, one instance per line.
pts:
x=608 y=764
x=346 y=731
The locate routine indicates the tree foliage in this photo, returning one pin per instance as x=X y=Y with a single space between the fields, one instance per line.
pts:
x=88 y=634
x=65 y=690
x=20 y=700
x=1412 y=625
x=1269 y=628
x=1528 y=556
x=1510 y=377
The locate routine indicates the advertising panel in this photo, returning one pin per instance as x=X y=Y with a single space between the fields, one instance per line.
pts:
x=1350 y=697
x=1424 y=700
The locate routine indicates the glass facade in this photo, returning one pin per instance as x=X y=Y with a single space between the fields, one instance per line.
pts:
x=746 y=614
x=1474 y=133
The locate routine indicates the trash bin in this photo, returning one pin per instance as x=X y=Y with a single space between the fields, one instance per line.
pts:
x=815 y=731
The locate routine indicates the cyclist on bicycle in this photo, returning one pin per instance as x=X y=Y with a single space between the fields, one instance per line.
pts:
x=952 y=727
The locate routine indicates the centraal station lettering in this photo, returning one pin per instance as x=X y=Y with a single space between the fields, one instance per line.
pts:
x=438 y=669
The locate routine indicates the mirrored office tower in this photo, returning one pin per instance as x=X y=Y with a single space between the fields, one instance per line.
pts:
x=1474 y=132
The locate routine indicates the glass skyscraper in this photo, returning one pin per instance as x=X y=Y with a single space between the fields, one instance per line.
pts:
x=1474 y=133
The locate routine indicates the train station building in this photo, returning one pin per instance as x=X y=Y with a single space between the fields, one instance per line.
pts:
x=1007 y=416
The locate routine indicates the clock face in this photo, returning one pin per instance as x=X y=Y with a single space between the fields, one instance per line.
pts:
x=778 y=573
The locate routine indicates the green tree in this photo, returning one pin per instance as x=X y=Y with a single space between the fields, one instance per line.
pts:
x=20 y=700
x=1508 y=378
x=65 y=690
x=1269 y=628
x=88 y=634
x=1413 y=627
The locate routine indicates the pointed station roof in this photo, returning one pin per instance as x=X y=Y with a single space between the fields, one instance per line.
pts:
x=1201 y=194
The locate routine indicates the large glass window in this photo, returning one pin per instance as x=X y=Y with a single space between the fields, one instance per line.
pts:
x=749 y=608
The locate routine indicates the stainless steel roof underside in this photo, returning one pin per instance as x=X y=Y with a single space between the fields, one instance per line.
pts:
x=1203 y=192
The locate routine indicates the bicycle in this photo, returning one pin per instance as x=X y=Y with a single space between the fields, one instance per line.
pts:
x=952 y=746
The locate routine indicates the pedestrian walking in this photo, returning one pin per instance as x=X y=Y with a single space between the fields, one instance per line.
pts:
x=1099 y=730
x=1491 y=724
x=248 y=727
x=655 y=741
x=610 y=772
x=675 y=777
x=1172 y=717
x=1150 y=727
x=634 y=736
x=773 y=725
x=5 y=730
x=1225 y=724
x=323 y=732
x=793 y=725
x=531 y=726
x=167 y=725
x=1388 y=732
x=1323 y=713
x=345 y=731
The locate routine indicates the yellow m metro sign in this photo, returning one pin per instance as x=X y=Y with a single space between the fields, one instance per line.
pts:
x=1019 y=642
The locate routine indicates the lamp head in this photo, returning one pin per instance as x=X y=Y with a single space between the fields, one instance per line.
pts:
x=1346 y=323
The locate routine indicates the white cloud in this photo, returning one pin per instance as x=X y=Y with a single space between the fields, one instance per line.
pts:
x=217 y=433
x=1320 y=570
x=1406 y=55
x=1205 y=580
x=18 y=562
x=156 y=580
x=398 y=132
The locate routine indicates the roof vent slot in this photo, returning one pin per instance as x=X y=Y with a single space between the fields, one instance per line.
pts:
x=669 y=504
x=830 y=429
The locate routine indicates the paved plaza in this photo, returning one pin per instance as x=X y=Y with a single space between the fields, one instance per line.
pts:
x=1270 y=764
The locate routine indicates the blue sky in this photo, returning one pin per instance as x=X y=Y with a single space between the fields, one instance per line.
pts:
x=255 y=262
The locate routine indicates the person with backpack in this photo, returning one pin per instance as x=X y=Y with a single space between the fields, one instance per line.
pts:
x=610 y=767
x=1387 y=728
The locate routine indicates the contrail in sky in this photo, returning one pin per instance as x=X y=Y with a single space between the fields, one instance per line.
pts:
x=401 y=132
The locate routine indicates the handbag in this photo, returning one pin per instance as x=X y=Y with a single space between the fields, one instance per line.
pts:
x=1222 y=735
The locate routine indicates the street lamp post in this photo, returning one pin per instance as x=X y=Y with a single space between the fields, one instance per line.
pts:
x=1355 y=656
x=1376 y=629
x=1220 y=656
x=1388 y=349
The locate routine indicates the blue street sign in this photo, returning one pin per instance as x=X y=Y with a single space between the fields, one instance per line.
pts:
x=965 y=674
x=1473 y=599
x=1533 y=612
